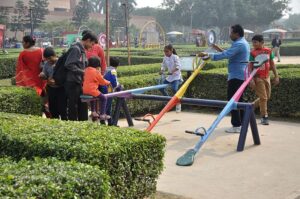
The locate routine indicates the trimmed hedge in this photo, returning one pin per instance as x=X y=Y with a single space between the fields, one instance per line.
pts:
x=19 y=100
x=50 y=178
x=8 y=67
x=141 y=107
x=284 y=98
x=290 y=50
x=133 y=159
x=137 y=60
x=124 y=71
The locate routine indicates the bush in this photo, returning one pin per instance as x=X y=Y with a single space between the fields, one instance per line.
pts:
x=19 y=100
x=137 y=60
x=128 y=71
x=141 y=107
x=7 y=67
x=50 y=178
x=133 y=159
x=284 y=98
x=290 y=50
x=124 y=71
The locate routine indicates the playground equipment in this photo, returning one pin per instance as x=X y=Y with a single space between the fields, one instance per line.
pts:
x=121 y=100
x=199 y=64
x=249 y=116
x=152 y=35
x=188 y=158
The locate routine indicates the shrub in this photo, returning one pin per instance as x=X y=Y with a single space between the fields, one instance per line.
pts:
x=141 y=107
x=19 y=100
x=50 y=178
x=137 y=60
x=7 y=67
x=124 y=71
x=133 y=159
x=284 y=98
x=290 y=50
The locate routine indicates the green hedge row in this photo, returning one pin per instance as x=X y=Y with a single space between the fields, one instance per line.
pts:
x=137 y=60
x=19 y=100
x=132 y=159
x=126 y=71
x=7 y=67
x=142 y=107
x=211 y=84
x=284 y=98
x=290 y=50
x=50 y=178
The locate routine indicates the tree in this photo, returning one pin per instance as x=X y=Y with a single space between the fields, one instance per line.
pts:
x=18 y=21
x=4 y=15
x=81 y=12
x=55 y=28
x=95 y=26
x=98 y=5
x=39 y=11
x=293 y=22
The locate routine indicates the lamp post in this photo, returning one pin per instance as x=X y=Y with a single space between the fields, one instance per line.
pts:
x=107 y=32
x=31 y=22
x=125 y=4
x=191 y=23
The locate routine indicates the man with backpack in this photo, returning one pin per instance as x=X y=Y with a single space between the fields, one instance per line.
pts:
x=74 y=66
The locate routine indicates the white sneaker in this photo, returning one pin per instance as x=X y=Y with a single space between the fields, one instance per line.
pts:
x=178 y=108
x=233 y=130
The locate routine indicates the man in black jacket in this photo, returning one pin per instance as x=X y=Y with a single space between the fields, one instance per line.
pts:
x=276 y=43
x=75 y=65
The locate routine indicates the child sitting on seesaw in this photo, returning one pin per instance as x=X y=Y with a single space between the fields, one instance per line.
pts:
x=92 y=80
x=171 y=64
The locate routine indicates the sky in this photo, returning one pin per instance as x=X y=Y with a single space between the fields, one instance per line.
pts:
x=295 y=4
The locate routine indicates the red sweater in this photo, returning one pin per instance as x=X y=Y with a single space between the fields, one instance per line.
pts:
x=263 y=71
x=97 y=51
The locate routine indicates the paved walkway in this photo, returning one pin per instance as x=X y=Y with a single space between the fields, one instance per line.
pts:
x=289 y=60
x=271 y=170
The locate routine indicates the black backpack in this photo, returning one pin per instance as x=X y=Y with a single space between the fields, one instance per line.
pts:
x=60 y=71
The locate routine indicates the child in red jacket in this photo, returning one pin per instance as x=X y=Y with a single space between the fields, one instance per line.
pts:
x=92 y=80
x=261 y=82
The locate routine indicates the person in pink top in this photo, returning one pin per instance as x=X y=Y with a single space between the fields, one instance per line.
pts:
x=96 y=51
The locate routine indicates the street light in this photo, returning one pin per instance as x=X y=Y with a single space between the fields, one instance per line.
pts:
x=125 y=4
x=191 y=24
x=31 y=22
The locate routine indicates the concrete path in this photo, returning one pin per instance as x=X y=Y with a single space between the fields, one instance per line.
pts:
x=289 y=60
x=268 y=171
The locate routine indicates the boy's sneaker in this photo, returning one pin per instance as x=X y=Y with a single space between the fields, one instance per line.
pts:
x=104 y=117
x=178 y=108
x=233 y=130
x=264 y=120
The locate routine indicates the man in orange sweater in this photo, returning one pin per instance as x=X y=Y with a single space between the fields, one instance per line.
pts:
x=92 y=80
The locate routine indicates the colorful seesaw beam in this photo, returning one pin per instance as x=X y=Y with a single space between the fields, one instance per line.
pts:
x=188 y=158
x=179 y=94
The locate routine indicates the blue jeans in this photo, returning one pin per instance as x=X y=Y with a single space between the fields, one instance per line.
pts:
x=174 y=85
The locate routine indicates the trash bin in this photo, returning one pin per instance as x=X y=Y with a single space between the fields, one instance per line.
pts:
x=18 y=45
